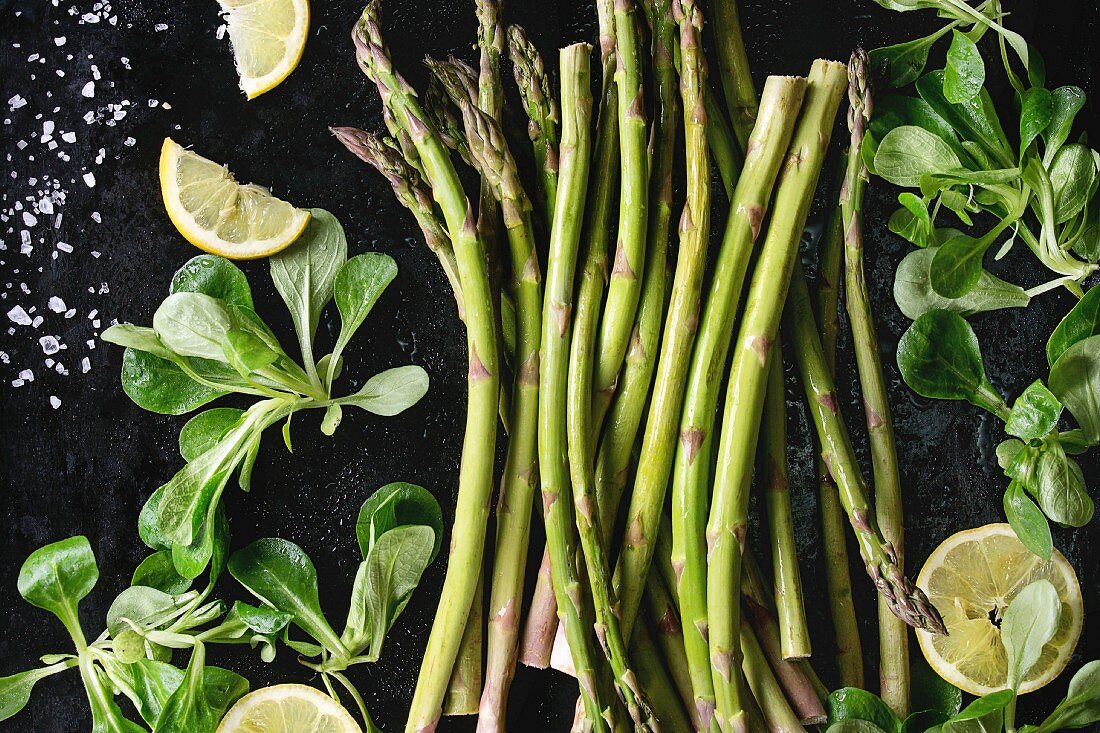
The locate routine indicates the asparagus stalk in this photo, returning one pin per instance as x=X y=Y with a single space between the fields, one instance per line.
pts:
x=542 y=113
x=905 y=600
x=624 y=288
x=727 y=525
x=597 y=237
x=464 y=687
x=668 y=709
x=580 y=429
x=893 y=635
x=442 y=115
x=679 y=332
x=838 y=578
x=733 y=62
x=660 y=609
x=542 y=620
x=780 y=717
x=625 y=416
x=797 y=678
x=576 y=102
x=476 y=471
x=728 y=157
x=498 y=170
x=692 y=467
x=772 y=473
x=409 y=188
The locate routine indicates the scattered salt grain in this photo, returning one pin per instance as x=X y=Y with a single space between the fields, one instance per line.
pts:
x=49 y=345
x=59 y=41
x=55 y=402
x=89 y=179
x=89 y=92
x=56 y=304
x=85 y=365
x=18 y=316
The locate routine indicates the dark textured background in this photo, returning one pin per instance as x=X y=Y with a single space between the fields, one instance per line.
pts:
x=87 y=467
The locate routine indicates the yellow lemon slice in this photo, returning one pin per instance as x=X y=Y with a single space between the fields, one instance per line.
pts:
x=268 y=38
x=219 y=215
x=288 y=709
x=971 y=578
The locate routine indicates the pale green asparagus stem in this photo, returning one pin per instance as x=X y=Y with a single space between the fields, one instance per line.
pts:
x=834 y=535
x=797 y=678
x=624 y=288
x=576 y=103
x=580 y=397
x=625 y=417
x=498 y=169
x=656 y=679
x=660 y=608
x=728 y=156
x=733 y=62
x=727 y=525
x=597 y=237
x=893 y=634
x=541 y=106
x=679 y=333
x=464 y=687
x=476 y=470
x=691 y=475
x=780 y=717
x=772 y=475
x=906 y=601
x=409 y=188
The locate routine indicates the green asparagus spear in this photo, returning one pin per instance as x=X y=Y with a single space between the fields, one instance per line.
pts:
x=498 y=169
x=838 y=578
x=893 y=635
x=679 y=332
x=476 y=471
x=692 y=468
x=625 y=417
x=541 y=106
x=905 y=600
x=772 y=476
x=408 y=186
x=733 y=62
x=624 y=288
x=727 y=524
x=576 y=104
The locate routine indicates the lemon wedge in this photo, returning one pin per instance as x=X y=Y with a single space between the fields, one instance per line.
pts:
x=971 y=578
x=268 y=38
x=288 y=709
x=219 y=215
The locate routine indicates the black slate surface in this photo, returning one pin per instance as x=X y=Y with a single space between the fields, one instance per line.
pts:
x=86 y=466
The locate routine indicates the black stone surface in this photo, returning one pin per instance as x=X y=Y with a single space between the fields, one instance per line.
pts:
x=87 y=466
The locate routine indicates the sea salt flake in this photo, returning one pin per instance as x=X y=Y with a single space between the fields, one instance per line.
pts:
x=55 y=402
x=85 y=365
x=56 y=304
x=89 y=179
x=26 y=375
x=160 y=27
x=49 y=345
x=64 y=247
x=69 y=137
x=88 y=90
x=29 y=219
x=59 y=41
x=70 y=313
x=19 y=316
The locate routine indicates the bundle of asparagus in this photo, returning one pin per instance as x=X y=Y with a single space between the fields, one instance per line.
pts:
x=649 y=593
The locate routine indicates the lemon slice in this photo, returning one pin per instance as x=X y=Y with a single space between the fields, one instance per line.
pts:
x=971 y=578
x=288 y=709
x=219 y=215
x=268 y=38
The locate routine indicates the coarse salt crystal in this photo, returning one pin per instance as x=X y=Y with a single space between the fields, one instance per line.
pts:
x=55 y=402
x=160 y=27
x=19 y=316
x=29 y=219
x=49 y=345
x=85 y=365
x=56 y=304
x=59 y=41
x=69 y=137
x=64 y=246
x=26 y=375
x=89 y=179
x=88 y=90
